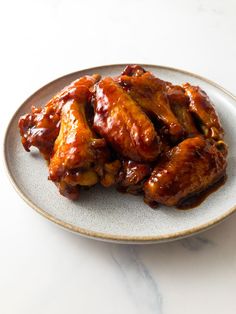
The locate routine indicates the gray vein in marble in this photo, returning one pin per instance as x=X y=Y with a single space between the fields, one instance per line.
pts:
x=138 y=280
x=196 y=243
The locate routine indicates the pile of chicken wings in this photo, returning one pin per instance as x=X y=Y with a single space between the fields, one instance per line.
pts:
x=135 y=131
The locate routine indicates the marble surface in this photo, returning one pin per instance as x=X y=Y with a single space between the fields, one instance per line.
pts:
x=44 y=269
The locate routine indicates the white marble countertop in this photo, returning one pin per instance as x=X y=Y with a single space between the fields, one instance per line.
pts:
x=44 y=269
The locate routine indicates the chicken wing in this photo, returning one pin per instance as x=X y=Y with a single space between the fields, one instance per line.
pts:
x=150 y=94
x=179 y=103
x=76 y=148
x=188 y=168
x=135 y=131
x=40 y=128
x=202 y=107
x=123 y=124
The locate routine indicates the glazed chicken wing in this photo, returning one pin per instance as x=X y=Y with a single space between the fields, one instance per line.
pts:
x=40 y=128
x=135 y=131
x=150 y=94
x=79 y=158
x=202 y=107
x=75 y=147
x=179 y=103
x=123 y=124
x=188 y=168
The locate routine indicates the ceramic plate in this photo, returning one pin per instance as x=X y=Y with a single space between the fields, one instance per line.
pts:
x=104 y=213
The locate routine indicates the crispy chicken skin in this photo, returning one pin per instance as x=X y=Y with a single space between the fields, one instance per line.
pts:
x=40 y=128
x=188 y=168
x=150 y=93
x=123 y=124
x=202 y=107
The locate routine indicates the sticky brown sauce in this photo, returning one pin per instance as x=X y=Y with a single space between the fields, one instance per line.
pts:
x=186 y=204
x=197 y=199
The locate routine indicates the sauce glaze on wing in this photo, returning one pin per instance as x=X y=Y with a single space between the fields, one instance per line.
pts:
x=150 y=93
x=123 y=124
x=40 y=128
x=76 y=146
x=179 y=103
x=188 y=168
x=202 y=107
x=135 y=131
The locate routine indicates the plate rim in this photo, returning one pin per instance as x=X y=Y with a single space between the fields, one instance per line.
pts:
x=101 y=235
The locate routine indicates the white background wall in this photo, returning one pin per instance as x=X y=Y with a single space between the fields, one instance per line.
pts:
x=44 y=269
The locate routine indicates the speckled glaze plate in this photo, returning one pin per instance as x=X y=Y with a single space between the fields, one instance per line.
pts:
x=104 y=213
